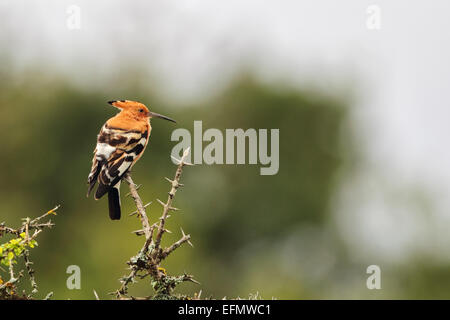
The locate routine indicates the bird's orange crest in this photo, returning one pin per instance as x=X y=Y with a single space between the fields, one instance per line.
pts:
x=134 y=108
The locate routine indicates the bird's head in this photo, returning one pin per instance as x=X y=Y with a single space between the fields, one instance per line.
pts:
x=137 y=110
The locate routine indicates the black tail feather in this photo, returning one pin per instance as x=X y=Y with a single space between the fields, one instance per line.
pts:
x=101 y=190
x=114 y=203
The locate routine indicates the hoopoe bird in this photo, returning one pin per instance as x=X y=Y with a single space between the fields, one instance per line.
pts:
x=120 y=143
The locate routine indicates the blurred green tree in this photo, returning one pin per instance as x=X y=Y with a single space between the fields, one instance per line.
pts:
x=49 y=133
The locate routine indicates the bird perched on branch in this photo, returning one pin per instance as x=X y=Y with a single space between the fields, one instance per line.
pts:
x=120 y=143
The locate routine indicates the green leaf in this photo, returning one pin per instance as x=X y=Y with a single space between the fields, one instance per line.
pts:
x=10 y=255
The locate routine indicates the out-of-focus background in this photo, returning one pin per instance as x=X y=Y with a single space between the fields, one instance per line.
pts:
x=363 y=115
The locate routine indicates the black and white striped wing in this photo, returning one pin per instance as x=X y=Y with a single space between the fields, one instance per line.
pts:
x=115 y=153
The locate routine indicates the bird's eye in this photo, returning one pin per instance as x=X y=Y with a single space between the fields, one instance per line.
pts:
x=141 y=110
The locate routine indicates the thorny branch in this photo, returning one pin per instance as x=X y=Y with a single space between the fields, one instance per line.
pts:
x=147 y=262
x=28 y=225
x=139 y=205
x=7 y=289
x=28 y=263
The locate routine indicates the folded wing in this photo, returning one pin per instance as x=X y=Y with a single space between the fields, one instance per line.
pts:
x=116 y=151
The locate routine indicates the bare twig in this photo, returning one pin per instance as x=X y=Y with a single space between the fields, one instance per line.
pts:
x=96 y=295
x=148 y=260
x=136 y=211
x=48 y=296
x=28 y=263
x=169 y=250
x=139 y=205
x=168 y=205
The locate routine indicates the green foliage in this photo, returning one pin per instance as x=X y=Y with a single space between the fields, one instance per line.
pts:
x=14 y=248
x=19 y=247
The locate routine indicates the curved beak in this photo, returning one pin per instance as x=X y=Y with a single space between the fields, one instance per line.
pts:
x=157 y=115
